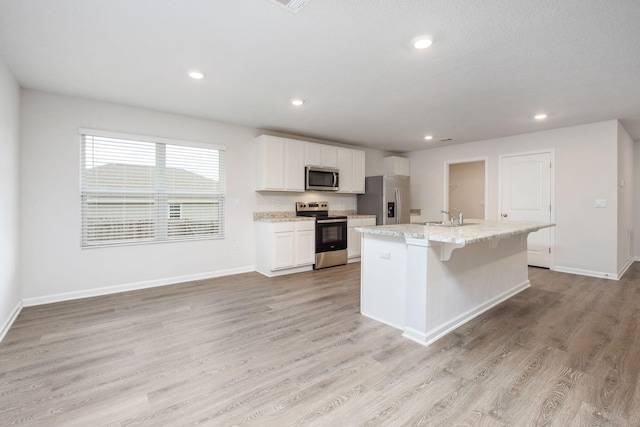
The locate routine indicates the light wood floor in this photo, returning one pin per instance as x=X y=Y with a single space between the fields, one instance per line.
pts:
x=248 y=350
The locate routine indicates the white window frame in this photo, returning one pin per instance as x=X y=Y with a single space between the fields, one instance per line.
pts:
x=159 y=193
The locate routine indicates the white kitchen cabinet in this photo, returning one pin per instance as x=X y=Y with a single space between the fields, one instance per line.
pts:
x=293 y=165
x=321 y=155
x=358 y=171
x=351 y=164
x=394 y=165
x=280 y=164
x=284 y=247
x=345 y=165
x=305 y=243
x=354 y=249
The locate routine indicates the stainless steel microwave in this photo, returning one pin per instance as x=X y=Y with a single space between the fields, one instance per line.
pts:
x=322 y=179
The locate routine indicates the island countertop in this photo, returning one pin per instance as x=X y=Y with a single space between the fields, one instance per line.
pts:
x=472 y=231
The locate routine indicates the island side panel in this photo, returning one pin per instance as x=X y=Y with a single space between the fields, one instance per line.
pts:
x=475 y=278
x=383 y=280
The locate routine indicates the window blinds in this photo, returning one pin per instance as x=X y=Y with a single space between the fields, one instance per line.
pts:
x=136 y=191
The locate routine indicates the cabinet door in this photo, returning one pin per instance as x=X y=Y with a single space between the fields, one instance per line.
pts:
x=305 y=247
x=313 y=154
x=345 y=165
x=358 y=171
x=270 y=163
x=354 y=249
x=329 y=156
x=294 y=165
x=283 y=250
x=394 y=165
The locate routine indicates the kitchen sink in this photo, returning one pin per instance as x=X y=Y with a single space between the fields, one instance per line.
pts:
x=441 y=224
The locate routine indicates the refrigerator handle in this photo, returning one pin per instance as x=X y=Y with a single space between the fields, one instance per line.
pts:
x=399 y=207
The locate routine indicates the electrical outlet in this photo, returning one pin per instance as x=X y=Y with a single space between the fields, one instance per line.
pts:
x=600 y=203
x=385 y=255
x=236 y=246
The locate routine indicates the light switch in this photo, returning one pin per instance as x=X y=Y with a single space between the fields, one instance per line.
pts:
x=600 y=203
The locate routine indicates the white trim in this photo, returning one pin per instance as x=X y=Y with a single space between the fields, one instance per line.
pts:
x=149 y=138
x=486 y=181
x=583 y=272
x=67 y=296
x=625 y=268
x=440 y=331
x=12 y=318
x=285 y=271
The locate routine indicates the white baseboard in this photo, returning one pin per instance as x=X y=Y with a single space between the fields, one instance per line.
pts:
x=12 y=318
x=276 y=273
x=428 y=337
x=67 y=296
x=582 y=272
x=625 y=267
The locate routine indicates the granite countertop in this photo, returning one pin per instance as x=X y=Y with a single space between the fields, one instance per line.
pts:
x=286 y=216
x=472 y=231
x=279 y=217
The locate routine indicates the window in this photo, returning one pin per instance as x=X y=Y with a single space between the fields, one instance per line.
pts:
x=140 y=190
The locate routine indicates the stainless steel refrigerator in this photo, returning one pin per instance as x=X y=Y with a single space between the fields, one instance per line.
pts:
x=387 y=197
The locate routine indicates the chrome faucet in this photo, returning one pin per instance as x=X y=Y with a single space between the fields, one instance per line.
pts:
x=455 y=221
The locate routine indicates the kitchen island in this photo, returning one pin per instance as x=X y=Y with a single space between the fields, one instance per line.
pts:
x=427 y=280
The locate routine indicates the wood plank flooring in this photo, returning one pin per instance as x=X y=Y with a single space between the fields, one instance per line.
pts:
x=294 y=351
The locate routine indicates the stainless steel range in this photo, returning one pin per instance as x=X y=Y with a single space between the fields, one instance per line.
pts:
x=331 y=234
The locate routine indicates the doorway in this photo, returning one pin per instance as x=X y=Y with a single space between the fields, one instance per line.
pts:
x=526 y=189
x=466 y=187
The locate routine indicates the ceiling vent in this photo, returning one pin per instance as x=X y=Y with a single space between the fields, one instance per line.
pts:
x=291 y=5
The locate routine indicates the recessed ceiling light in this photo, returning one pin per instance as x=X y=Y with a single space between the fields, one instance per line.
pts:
x=540 y=116
x=197 y=75
x=428 y=137
x=297 y=102
x=422 y=42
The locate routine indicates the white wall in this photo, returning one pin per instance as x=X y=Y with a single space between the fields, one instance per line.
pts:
x=52 y=264
x=52 y=261
x=9 y=198
x=586 y=169
x=625 y=199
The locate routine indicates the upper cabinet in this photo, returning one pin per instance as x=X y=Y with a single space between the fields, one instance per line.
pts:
x=320 y=155
x=280 y=164
x=351 y=166
x=394 y=165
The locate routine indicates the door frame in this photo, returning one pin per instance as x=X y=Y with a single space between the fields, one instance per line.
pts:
x=552 y=195
x=486 y=181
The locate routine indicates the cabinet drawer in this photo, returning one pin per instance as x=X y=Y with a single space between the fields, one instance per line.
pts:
x=280 y=227
x=305 y=225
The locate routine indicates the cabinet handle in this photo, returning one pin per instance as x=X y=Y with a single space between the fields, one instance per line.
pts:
x=504 y=215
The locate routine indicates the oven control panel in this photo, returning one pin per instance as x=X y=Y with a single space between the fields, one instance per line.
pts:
x=312 y=206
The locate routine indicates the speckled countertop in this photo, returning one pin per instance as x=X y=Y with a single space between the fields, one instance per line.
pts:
x=291 y=216
x=472 y=231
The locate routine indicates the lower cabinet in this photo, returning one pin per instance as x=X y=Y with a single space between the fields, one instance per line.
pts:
x=284 y=247
x=354 y=249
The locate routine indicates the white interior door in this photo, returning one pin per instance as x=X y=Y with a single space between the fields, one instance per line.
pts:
x=525 y=184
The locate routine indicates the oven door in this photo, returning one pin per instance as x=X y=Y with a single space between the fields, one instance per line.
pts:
x=331 y=235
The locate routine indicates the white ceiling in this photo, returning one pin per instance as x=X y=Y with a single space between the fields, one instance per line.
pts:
x=495 y=63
